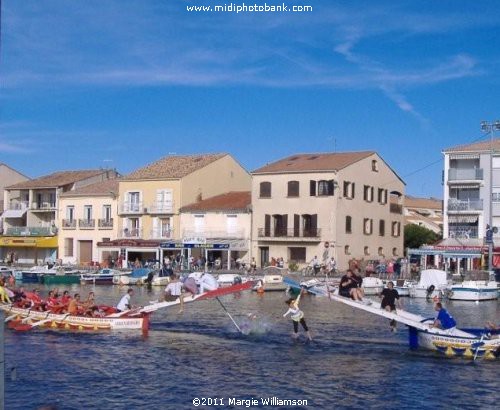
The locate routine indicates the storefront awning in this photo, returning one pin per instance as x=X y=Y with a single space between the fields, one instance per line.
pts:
x=14 y=213
x=39 y=242
x=464 y=156
x=447 y=253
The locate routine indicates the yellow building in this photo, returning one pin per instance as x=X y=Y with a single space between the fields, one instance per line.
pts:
x=88 y=216
x=150 y=199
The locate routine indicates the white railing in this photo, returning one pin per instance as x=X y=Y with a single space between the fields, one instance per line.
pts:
x=162 y=233
x=164 y=207
x=465 y=205
x=472 y=174
x=131 y=233
x=43 y=206
x=17 y=206
x=131 y=207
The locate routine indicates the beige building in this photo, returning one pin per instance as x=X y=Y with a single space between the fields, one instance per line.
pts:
x=341 y=205
x=8 y=176
x=150 y=199
x=425 y=212
x=217 y=228
x=32 y=207
x=88 y=215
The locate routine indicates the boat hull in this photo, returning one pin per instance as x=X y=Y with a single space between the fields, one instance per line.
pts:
x=459 y=346
x=63 y=321
x=59 y=279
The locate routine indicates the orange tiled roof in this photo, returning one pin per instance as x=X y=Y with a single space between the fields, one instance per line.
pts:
x=57 y=179
x=104 y=188
x=176 y=166
x=314 y=162
x=475 y=147
x=427 y=203
x=230 y=201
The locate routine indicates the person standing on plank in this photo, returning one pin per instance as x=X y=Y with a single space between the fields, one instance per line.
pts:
x=297 y=316
x=389 y=297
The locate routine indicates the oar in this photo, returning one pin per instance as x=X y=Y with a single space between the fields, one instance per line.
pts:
x=230 y=317
x=327 y=287
x=477 y=345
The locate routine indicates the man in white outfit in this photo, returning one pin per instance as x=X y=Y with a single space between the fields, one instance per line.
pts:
x=207 y=283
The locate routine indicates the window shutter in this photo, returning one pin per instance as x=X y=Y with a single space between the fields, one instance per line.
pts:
x=296 y=225
x=312 y=188
x=330 y=187
x=267 y=225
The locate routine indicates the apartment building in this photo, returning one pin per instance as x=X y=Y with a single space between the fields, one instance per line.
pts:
x=342 y=205
x=88 y=215
x=150 y=199
x=425 y=212
x=218 y=228
x=32 y=211
x=8 y=176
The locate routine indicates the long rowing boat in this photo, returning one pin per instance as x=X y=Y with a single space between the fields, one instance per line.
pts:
x=24 y=319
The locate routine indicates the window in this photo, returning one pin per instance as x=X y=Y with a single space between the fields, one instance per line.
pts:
x=199 y=223
x=265 y=190
x=164 y=202
x=134 y=201
x=367 y=250
x=325 y=188
x=321 y=188
x=68 y=247
x=380 y=251
x=232 y=224
x=374 y=165
x=368 y=193
x=381 y=227
x=70 y=213
x=347 y=250
x=106 y=212
x=106 y=239
x=348 y=190
x=297 y=254
x=87 y=212
x=394 y=251
x=396 y=229
x=348 y=224
x=367 y=226
x=381 y=196
x=293 y=188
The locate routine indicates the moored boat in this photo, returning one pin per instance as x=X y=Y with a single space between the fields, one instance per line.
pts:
x=474 y=290
x=432 y=283
x=102 y=277
x=372 y=285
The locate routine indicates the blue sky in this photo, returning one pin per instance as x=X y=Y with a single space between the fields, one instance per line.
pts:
x=122 y=83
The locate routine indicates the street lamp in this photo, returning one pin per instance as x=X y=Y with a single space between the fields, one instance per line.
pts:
x=490 y=128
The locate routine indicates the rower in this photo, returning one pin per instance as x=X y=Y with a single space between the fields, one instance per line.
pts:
x=74 y=305
x=443 y=319
x=124 y=303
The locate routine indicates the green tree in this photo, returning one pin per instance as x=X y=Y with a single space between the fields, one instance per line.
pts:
x=416 y=236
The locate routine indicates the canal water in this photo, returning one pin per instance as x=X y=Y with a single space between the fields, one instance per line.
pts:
x=354 y=361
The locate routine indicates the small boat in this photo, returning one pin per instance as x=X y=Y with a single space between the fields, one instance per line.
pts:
x=66 y=279
x=432 y=283
x=139 y=276
x=101 y=277
x=372 y=285
x=475 y=287
x=229 y=279
x=37 y=273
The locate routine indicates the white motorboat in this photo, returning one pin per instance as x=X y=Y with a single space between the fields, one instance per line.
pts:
x=372 y=285
x=476 y=286
x=271 y=281
x=432 y=283
x=137 y=277
x=103 y=276
x=229 y=279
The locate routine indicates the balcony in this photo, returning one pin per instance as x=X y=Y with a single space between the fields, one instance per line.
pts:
x=105 y=223
x=215 y=234
x=29 y=231
x=396 y=209
x=131 y=233
x=43 y=206
x=461 y=175
x=86 y=223
x=132 y=208
x=165 y=207
x=290 y=233
x=69 y=224
x=463 y=232
x=457 y=205
x=162 y=233
x=17 y=206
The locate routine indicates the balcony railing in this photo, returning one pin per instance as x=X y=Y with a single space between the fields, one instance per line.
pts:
x=105 y=223
x=43 y=206
x=233 y=233
x=131 y=233
x=457 y=205
x=17 y=206
x=165 y=207
x=463 y=232
x=86 y=223
x=457 y=174
x=29 y=231
x=162 y=233
x=131 y=208
x=69 y=223
x=396 y=209
x=289 y=233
